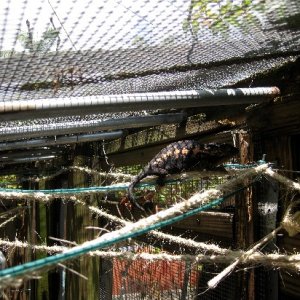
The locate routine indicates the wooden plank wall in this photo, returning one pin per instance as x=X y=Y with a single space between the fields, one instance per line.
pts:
x=277 y=128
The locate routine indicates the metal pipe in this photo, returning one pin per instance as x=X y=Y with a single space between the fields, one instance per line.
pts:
x=6 y=156
x=28 y=160
x=61 y=140
x=41 y=108
x=33 y=159
x=31 y=131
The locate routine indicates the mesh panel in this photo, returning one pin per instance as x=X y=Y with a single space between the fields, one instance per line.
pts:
x=64 y=48
x=51 y=49
x=153 y=280
x=71 y=48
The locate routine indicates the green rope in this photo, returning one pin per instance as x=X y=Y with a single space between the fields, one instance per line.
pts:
x=239 y=166
x=77 y=190
x=246 y=166
x=116 y=187
x=83 y=249
x=67 y=191
x=113 y=187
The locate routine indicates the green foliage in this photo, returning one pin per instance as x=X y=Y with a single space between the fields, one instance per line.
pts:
x=8 y=181
x=219 y=15
x=139 y=41
x=28 y=86
x=44 y=44
x=26 y=38
x=174 y=192
x=7 y=53
x=284 y=15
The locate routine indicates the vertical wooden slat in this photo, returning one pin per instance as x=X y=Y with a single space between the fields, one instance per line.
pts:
x=32 y=236
x=289 y=287
x=55 y=275
x=244 y=218
x=106 y=265
x=266 y=280
x=78 y=217
x=41 y=211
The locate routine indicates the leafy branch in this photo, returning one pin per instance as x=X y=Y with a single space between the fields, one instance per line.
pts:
x=219 y=15
x=44 y=44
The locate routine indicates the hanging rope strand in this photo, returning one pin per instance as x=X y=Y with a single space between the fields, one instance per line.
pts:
x=202 y=201
x=256 y=258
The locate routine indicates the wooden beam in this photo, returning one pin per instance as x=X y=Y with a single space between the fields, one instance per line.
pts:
x=211 y=132
x=277 y=117
x=234 y=112
x=244 y=219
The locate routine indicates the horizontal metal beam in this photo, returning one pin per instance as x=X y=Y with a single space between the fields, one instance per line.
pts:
x=32 y=131
x=11 y=155
x=42 y=108
x=24 y=160
x=61 y=140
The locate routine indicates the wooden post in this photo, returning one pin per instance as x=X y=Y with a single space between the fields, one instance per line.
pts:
x=244 y=219
x=106 y=265
x=56 y=218
x=32 y=235
x=78 y=218
x=267 y=213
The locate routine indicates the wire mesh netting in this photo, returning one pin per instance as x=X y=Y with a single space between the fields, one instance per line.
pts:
x=154 y=280
x=55 y=51
x=52 y=49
